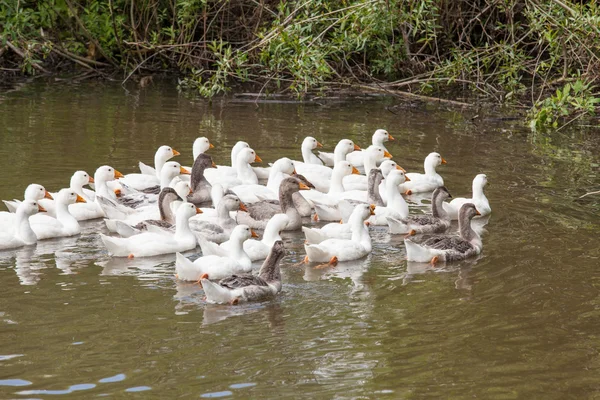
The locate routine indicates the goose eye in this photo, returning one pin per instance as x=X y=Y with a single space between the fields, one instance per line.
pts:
x=41 y=189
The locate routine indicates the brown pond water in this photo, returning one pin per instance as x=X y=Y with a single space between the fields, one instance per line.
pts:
x=521 y=321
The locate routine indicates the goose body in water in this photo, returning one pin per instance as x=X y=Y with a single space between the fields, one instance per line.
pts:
x=221 y=263
x=428 y=181
x=379 y=138
x=201 y=189
x=259 y=249
x=448 y=248
x=479 y=199
x=334 y=250
x=438 y=222
x=19 y=233
x=33 y=192
x=149 y=244
x=247 y=287
x=144 y=181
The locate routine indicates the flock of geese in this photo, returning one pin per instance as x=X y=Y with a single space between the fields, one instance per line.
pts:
x=170 y=208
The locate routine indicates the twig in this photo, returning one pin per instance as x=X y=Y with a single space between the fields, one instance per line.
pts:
x=24 y=57
x=590 y=193
x=416 y=96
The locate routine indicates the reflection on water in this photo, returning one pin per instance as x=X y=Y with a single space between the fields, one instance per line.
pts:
x=519 y=321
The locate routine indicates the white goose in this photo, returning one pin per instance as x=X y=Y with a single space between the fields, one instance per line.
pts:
x=379 y=138
x=342 y=149
x=65 y=224
x=92 y=210
x=333 y=230
x=149 y=244
x=245 y=175
x=280 y=170
x=428 y=181
x=259 y=249
x=226 y=171
x=319 y=175
x=334 y=250
x=33 y=192
x=308 y=145
x=77 y=183
x=162 y=155
x=222 y=263
x=481 y=202
x=396 y=206
x=20 y=234
x=372 y=156
x=336 y=187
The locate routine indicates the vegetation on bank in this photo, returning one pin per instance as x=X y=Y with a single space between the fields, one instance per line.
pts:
x=544 y=54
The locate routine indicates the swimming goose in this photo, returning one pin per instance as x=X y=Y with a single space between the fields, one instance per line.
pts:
x=481 y=202
x=320 y=175
x=33 y=192
x=372 y=156
x=379 y=137
x=143 y=180
x=396 y=206
x=308 y=145
x=342 y=149
x=93 y=210
x=245 y=175
x=261 y=212
x=333 y=230
x=220 y=265
x=334 y=250
x=223 y=171
x=20 y=234
x=139 y=222
x=218 y=229
x=344 y=208
x=65 y=224
x=149 y=244
x=247 y=287
x=448 y=248
x=336 y=186
x=201 y=189
x=438 y=222
x=302 y=205
x=280 y=170
x=259 y=249
x=428 y=181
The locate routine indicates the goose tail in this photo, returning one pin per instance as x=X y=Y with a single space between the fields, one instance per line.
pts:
x=313 y=236
x=216 y=293
x=416 y=252
x=396 y=226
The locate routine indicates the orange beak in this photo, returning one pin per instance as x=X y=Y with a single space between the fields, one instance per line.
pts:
x=213 y=164
x=319 y=145
x=118 y=192
x=210 y=146
x=356 y=148
x=198 y=211
x=47 y=195
x=183 y=171
x=400 y=168
x=253 y=234
x=387 y=154
x=477 y=212
x=391 y=137
x=372 y=209
x=257 y=158
x=243 y=207
x=80 y=199
x=191 y=191
x=444 y=161
x=302 y=186
x=41 y=209
x=175 y=153
x=355 y=171
x=406 y=178
x=118 y=174
x=91 y=180
x=294 y=172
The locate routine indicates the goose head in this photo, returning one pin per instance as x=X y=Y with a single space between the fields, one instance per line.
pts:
x=380 y=136
x=302 y=179
x=387 y=165
x=182 y=188
x=434 y=160
x=480 y=181
x=377 y=153
x=185 y=212
x=201 y=145
x=247 y=156
x=344 y=168
x=106 y=173
x=80 y=179
x=232 y=203
x=241 y=233
x=68 y=196
x=361 y=213
x=36 y=192
x=310 y=143
x=170 y=170
x=396 y=177
x=440 y=194
x=284 y=165
x=345 y=146
x=467 y=212
x=165 y=153
x=29 y=208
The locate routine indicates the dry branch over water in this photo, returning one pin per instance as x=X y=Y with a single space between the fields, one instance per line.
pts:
x=544 y=54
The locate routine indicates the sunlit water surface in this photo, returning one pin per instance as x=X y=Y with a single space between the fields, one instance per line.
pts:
x=520 y=321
